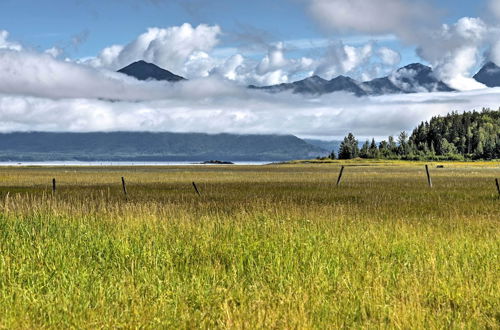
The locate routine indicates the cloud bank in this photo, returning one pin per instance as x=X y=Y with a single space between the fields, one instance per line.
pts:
x=236 y=110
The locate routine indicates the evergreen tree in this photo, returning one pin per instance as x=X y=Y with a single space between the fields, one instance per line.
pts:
x=365 y=150
x=393 y=147
x=373 y=151
x=349 y=147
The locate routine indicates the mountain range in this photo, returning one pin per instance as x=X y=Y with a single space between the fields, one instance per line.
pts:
x=413 y=78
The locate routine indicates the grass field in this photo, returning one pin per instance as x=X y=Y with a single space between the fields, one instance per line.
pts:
x=276 y=246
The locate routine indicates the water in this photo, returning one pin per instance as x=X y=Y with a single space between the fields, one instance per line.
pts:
x=77 y=163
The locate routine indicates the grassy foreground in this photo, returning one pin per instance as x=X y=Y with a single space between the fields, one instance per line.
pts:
x=264 y=246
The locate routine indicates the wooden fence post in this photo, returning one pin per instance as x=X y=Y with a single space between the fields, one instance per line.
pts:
x=429 y=180
x=124 y=185
x=54 y=186
x=498 y=186
x=196 y=189
x=340 y=175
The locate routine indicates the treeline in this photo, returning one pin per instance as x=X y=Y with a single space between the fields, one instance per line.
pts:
x=466 y=136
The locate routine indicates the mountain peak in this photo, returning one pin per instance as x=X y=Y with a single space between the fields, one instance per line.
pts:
x=417 y=78
x=492 y=66
x=314 y=78
x=342 y=78
x=489 y=75
x=143 y=70
x=416 y=67
x=344 y=84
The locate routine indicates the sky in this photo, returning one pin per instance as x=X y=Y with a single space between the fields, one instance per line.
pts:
x=58 y=60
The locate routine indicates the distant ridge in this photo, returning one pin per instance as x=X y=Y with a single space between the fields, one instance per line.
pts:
x=489 y=75
x=142 y=70
x=148 y=146
x=413 y=78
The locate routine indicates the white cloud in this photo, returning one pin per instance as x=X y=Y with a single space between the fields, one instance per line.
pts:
x=389 y=56
x=169 y=48
x=236 y=110
x=342 y=59
x=190 y=52
x=273 y=68
x=274 y=60
x=455 y=50
x=34 y=74
x=229 y=69
x=5 y=44
x=54 y=51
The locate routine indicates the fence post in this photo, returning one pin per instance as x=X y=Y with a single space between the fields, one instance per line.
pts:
x=196 y=189
x=124 y=185
x=429 y=180
x=54 y=186
x=340 y=175
x=498 y=186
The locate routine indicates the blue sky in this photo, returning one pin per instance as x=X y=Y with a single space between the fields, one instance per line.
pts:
x=98 y=24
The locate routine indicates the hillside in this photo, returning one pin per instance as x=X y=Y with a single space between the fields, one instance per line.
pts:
x=473 y=135
x=456 y=136
x=142 y=146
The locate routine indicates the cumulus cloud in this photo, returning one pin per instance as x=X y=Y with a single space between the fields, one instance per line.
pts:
x=341 y=59
x=170 y=48
x=389 y=56
x=363 y=62
x=273 y=68
x=454 y=50
x=190 y=51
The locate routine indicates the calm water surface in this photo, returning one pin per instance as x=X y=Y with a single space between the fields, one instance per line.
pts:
x=76 y=163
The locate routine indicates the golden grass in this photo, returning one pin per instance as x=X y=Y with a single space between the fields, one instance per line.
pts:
x=276 y=246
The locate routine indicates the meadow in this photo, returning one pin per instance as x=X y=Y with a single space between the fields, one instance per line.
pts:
x=275 y=246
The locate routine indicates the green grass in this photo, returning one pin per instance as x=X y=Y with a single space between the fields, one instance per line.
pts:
x=264 y=246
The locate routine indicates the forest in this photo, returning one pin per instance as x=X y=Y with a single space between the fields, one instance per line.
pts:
x=466 y=136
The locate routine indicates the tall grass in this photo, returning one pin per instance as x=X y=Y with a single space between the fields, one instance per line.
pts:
x=266 y=247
